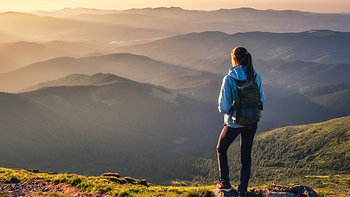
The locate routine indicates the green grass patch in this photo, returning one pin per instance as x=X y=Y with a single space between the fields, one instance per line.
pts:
x=51 y=194
x=107 y=182
x=115 y=185
x=316 y=155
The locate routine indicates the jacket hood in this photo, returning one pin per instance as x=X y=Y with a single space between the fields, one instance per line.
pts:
x=238 y=72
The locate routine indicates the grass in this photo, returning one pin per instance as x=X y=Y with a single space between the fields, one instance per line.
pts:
x=108 y=182
x=315 y=155
x=115 y=185
x=51 y=194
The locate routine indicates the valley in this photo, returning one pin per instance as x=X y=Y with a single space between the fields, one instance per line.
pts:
x=90 y=91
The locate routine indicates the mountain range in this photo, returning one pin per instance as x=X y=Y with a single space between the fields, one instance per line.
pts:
x=34 y=28
x=136 y=67
x=15 y=55
x=90 y=124
x=127 y=26
x=311 y=46
x=299 y=74
x=117 y=125
x=284 y=106
x=245 y=19
x=201 y=85
x=209 y=51
x=135 y=91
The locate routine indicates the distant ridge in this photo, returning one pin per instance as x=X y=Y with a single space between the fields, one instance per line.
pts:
x=300 y=74
x=80 y=10
x=32 y=52
x=171 y=21
x=283 y=106
x=79 y=80
x=201 y=85
x=43 y=28
x=311 y=46
x=336 y=96
x=135 y=67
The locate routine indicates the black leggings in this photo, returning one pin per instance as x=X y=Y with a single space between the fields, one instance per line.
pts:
x=227 y=136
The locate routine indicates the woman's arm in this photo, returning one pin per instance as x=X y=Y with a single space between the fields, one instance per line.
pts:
x=259 y=82
x=226 y=96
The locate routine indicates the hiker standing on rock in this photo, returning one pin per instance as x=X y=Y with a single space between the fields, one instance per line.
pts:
x=241 y=100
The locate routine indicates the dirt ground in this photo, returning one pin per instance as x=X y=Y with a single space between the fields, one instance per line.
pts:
x=42 y=188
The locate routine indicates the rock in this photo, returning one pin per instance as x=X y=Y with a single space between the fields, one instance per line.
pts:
x=217 y=193
x=347 y=192
x=275 y=191
x=279 y=194
x=305 y=190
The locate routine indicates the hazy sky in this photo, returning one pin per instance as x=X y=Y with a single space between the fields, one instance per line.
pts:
x=303 y=5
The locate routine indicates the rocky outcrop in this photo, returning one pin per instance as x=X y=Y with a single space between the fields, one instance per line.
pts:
x=273 y=191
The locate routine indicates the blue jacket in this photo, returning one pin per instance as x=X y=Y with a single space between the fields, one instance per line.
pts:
x=227 y=93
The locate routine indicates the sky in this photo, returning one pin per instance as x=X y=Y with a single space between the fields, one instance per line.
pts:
x=322 y=6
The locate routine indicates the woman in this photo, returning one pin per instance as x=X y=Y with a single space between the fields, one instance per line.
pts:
x=242 y=70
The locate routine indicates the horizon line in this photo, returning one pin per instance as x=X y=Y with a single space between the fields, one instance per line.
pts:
x=164 y=7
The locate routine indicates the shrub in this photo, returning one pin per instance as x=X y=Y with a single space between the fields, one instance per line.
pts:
x=14 y=180
x=110 y=174
x=75 y=181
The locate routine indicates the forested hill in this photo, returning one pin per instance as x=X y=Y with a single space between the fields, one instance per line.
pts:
x=316 y=154
x=139 y=130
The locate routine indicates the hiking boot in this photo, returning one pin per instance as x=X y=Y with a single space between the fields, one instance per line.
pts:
x=241 y=194
x=227 y=187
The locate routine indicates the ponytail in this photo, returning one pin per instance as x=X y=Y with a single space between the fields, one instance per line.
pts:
x=240 y=56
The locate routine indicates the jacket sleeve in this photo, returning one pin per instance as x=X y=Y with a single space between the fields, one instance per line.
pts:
x=259 y=82
x=226 y=96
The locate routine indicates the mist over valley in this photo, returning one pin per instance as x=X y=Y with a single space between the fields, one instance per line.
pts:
x=135 y=91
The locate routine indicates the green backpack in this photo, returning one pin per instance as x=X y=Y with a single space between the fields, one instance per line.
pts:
x=248 y=103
